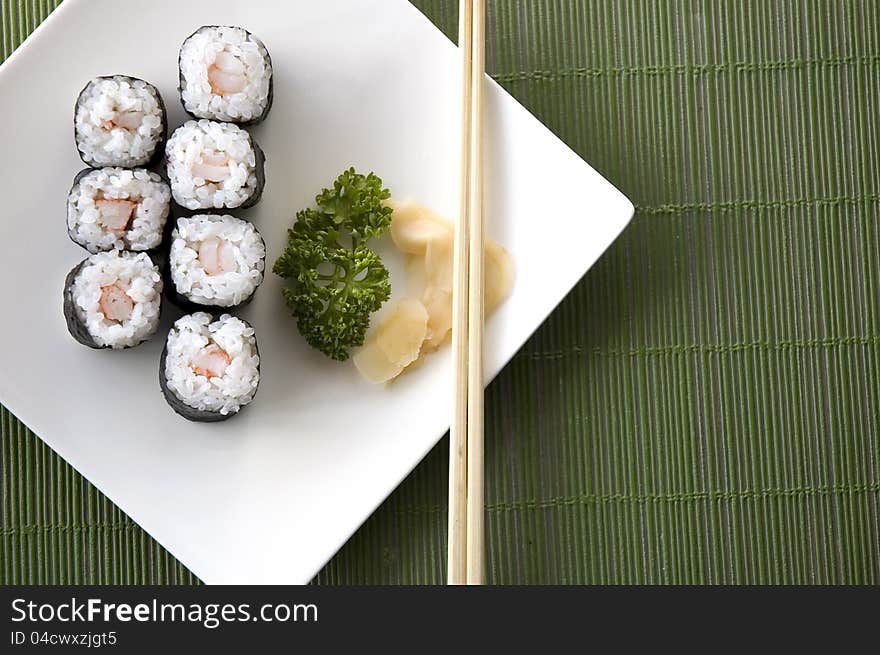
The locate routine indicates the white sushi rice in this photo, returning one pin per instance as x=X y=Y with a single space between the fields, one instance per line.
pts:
x=147 y=189
x=185 y=149
x=99 y=103
x=199 y=52
x=224 y=289
x=226 y=393
x=137 y=274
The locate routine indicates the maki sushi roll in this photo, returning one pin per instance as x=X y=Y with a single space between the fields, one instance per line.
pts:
x=214 y=166
x=225 y=75
x=215 y=261
x=113 y=299
x=117 y=208
x=209 y=368
x=119 y=121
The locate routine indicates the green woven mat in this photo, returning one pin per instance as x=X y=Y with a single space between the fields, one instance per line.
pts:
x=705 y=406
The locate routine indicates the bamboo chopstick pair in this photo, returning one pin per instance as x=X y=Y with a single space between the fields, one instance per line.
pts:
x=466 y=549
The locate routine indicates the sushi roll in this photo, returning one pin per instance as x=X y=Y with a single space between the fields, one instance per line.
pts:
x=225 y=75
x=117 y=208
x=113 y=299
x=214 y=166
x=209 y=368
x=119 y=121
x=214 y=262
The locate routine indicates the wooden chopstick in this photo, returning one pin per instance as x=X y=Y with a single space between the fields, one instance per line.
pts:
x=466 y=545
x=476 y=548
x=457 y=537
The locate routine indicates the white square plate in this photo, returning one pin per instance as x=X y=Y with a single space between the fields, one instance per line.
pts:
x=270 y=495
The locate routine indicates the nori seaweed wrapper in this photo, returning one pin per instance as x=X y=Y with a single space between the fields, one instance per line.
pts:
x=75 y=326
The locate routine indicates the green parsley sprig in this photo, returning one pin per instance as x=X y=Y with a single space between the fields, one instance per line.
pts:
x=335 y=281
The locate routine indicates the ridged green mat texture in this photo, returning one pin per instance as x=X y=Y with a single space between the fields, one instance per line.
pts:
x=704 y=407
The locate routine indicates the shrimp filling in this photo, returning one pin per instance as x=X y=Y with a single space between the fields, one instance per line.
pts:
x=217 y=256
x=114 y=303
x=211 y=361
x=214 y=167
x=127 y=120
x=114 y=215
x=227 y=74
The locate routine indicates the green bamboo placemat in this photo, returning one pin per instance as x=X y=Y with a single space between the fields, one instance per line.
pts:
x=704 y=407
